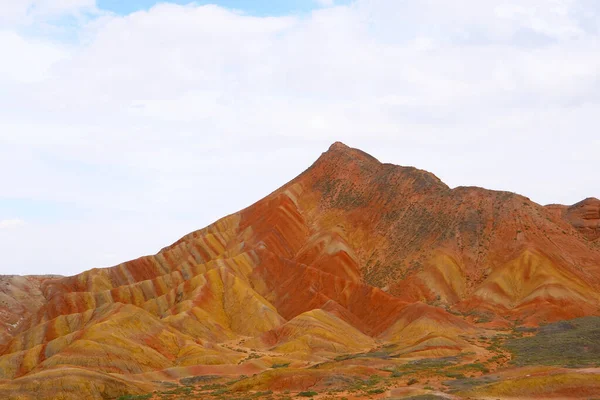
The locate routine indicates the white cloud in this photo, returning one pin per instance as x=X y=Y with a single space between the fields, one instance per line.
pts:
x=192 y=112
x=11 y=223
x=27 y=61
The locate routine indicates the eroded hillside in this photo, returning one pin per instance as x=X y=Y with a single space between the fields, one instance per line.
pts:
x=355 y=279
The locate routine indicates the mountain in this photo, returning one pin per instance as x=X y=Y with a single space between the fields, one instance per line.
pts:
x=357 y=278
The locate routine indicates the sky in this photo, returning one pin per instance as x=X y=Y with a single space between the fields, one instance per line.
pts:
x=126 y=124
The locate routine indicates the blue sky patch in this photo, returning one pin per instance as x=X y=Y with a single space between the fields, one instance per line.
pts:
x=257 y=7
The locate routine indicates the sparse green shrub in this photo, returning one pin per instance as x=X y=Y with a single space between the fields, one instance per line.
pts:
x=574 y=343
x=307 y=394
x=134 y=397
x=455 y=375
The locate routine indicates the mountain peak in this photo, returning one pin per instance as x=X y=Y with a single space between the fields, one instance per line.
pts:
x=338 y=146
x=339 y=149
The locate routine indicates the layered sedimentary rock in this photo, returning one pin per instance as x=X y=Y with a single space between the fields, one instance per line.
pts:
x=350 y=256
x=20 y=296
x=584 y=216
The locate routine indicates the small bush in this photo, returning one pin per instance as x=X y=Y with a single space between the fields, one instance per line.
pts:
x=398 y=374
x=373 y=380
x=307 y=394
x=455 y=375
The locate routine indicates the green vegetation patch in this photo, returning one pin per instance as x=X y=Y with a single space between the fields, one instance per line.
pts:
x=382 y=353
x=366 y=384
x=180 y=390
x=465 y=383
x=307 y=394
x=426 y=364
x=465 y=368
x=574 y=343
x=194 y=380
x=134 y=397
